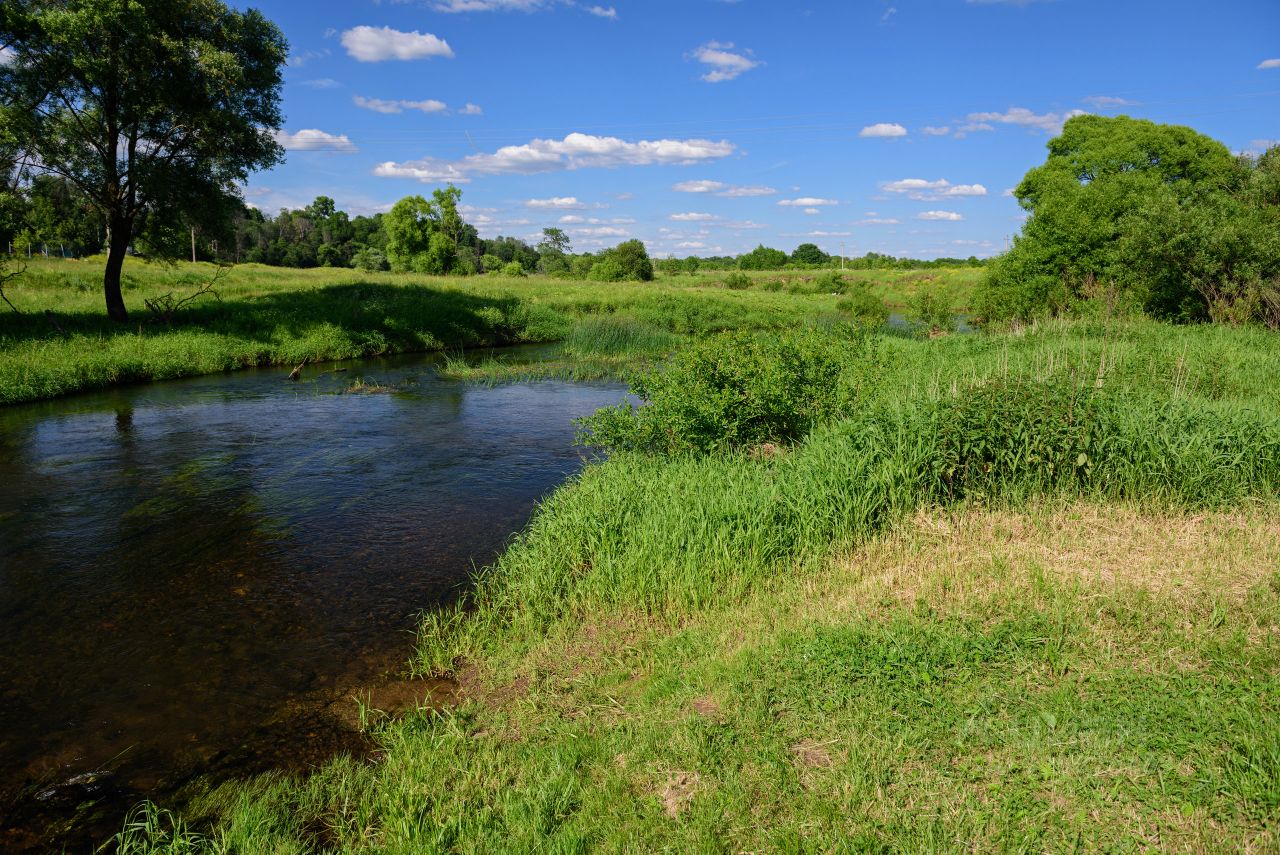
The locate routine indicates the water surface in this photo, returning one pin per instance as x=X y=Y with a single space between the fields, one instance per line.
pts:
x=189 y=570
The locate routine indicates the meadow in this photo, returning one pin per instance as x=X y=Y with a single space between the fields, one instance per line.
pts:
x=258 y=315
x=1007 y=591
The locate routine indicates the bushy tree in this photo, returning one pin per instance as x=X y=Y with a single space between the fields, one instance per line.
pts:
x=809 y=253
x=763 y=258
x=428 y=236
x=628 y=260
x=1164 y=217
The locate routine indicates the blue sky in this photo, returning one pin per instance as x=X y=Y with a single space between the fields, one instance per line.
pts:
x=708 y=126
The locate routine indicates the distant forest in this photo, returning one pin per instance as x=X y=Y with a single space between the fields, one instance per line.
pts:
x=48 y=216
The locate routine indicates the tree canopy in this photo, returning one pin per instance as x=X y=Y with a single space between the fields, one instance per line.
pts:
x=154 y=110
x=1160 y=215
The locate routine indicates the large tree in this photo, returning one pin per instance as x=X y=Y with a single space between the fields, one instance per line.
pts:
x=1160 y=216
x=156 y=110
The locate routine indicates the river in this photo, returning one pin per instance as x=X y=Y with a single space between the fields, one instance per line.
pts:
x=194 y=575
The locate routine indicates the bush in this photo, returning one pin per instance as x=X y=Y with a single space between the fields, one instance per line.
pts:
x=370 y=260
x=512 y=268
x=831 y=282
x=736 y=391
x=606 y=270
x=864 y=306
x=931 y=310
x=737 y=281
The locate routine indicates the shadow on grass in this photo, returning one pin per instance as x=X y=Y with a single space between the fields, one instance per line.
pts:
x=379 y=318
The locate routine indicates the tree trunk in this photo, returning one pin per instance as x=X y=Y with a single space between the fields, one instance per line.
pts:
x=117 y=244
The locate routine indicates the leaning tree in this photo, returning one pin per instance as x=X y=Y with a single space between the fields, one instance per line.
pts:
x=157 y=110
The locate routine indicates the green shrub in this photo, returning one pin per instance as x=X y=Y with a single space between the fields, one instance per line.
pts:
x=736 y=391
x=737 y=281
x=512 y=268
x=931 y=310
x=831 y=282
x=864 y=306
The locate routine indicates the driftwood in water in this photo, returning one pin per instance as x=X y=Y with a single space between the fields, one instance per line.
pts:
x=297 y=372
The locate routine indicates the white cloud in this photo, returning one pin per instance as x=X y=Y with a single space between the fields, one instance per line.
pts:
x=724 y=63
x=575 y=151
x=1101 y=101
x=1049 y=123
x=399 y=106
x=883 y=129
x=721 y=189
x=322 y=83
x=691 y=244
x=1008 y=191
x=822 y=234
x=692 y=217
x=806 y=202
x=603 y=12
x=310 y=139
x=377 y=44
x=489 y=5
x=813 y=212
x=1257 y=147
x=1268 y=63
x=878 y=221
x=471 y=110
x=932 y=131
x=7 y=55
x=601 y=231
x=557 y=202
x=920 y=189
x=949 y=216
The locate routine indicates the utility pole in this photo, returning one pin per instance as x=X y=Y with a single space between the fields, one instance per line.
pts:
x=842 y=256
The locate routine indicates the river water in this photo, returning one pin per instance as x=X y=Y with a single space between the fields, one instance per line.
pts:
x=193 y=573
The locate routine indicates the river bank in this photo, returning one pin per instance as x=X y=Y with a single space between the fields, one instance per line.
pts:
x=262 y=316
x=1019 y=592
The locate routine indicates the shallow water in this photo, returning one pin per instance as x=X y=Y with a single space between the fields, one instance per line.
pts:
x=190 y=570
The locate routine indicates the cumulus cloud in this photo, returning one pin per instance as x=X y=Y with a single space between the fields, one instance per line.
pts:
x=919 y=188
x=883 y=129
x=489 y=5
x=806 y=202
x=1268 y=63
x=692 y=217
x=878 y=221
x=1049 y=123
x=603 y=12
x=723 y=62
x=575 y=151
x=556 y=202
x=471 y=110
x=378 y=44
x=399 y=106
x=719 y=188
x=310 y=139
x=936 y=131
x=813 y=212
x=949 y=216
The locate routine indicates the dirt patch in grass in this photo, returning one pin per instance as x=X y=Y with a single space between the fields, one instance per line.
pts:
x=679 y=791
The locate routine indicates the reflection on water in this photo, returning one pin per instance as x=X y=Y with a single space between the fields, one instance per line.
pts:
x=181 y=562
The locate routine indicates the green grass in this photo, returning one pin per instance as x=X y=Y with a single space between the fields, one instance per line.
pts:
x=274 y=316
x=1021 y=596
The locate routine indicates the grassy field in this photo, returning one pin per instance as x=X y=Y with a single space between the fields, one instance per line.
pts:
x=273 y=316
x=1021 y=593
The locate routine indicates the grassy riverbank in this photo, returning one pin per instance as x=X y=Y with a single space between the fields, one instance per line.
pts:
x=1013 y=592
x=272 y=316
